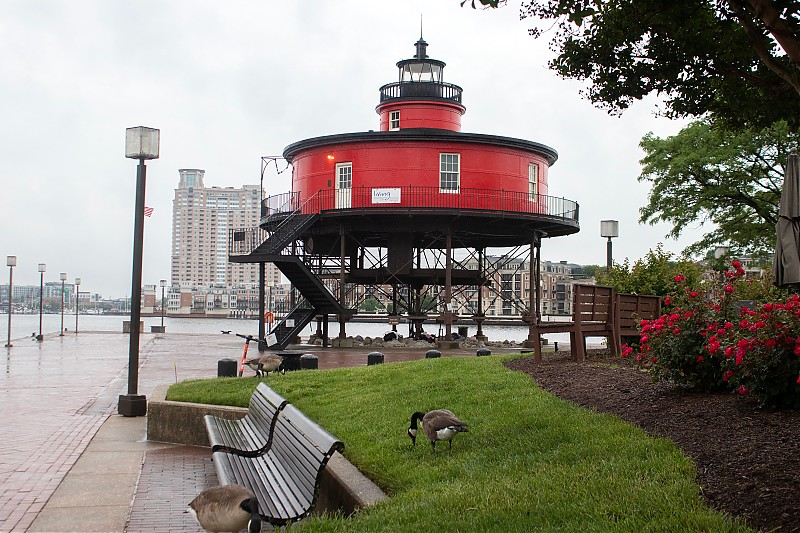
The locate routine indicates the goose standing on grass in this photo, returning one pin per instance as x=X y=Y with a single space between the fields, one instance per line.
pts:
x=226 y=508
x=439 y=424
x=264 y=364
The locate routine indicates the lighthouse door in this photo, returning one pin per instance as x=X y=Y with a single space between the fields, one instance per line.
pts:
x=344 y=185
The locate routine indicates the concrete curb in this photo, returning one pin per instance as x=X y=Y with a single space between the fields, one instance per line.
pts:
x=343 y=487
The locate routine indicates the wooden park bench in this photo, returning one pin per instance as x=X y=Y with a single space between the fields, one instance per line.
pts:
x=252 y=434
x=286 y=478
x=592 y=316
x=629 y=311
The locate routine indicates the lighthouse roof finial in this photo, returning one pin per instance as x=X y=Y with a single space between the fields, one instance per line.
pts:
x=421 y=44
x=421 y=49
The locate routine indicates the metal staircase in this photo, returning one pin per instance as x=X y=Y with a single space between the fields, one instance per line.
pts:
x=286 y=232
x=290 y=327
x=317 y=298
x=309 y=285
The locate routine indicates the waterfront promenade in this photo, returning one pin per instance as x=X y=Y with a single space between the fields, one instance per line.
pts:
x=68 y=462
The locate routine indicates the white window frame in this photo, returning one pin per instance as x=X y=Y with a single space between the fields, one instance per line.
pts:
x=533 y=181
x=449 y=172
x=394 y=120
x=344 y=175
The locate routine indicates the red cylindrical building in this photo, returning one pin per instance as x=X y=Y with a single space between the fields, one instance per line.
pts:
x=366 y=208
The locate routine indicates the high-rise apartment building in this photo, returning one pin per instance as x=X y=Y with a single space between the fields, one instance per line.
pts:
x=202 y=218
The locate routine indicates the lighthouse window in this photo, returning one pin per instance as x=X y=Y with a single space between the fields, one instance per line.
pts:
x=533 y=180
x=394 y=120
x=449 y=172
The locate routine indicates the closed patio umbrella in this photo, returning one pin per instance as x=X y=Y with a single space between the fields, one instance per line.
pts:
x=786 y=263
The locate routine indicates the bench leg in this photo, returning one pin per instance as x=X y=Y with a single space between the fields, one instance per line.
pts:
x=537 y=348
x=614 y=344
x=581 y=351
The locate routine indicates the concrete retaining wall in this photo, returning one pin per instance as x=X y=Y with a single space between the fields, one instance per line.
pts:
x=342 y=489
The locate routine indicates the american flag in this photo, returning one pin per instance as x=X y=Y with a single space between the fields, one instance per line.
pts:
x=148 y=211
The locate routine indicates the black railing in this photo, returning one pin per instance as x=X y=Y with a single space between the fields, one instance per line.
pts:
x=420 y=89
x=242 y=241
x=409 y=198
x=414 y=197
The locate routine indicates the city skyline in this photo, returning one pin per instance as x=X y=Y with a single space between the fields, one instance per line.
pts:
x=229 y=84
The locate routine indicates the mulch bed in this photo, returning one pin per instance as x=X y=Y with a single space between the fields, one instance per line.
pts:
x=747 y=459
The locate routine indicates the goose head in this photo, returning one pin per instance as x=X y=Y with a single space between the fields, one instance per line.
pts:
x=251 y=506
x=413 y=428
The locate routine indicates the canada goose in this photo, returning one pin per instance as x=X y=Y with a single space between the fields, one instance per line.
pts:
x=226 y=508
x=264 y=364
x=439 y=424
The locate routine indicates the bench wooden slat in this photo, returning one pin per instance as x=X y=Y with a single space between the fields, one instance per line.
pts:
x=292 y=450
x=630 y=310
x=252 y=434
x=277 y=476
x=592 y=315
x=286 y=477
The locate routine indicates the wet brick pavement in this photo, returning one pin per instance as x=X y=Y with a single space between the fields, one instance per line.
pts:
x=57 y=394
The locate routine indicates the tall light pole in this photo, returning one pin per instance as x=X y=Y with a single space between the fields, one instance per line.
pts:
x=140 y=143
x=163 y=285
x=11 y=261
x=63 y=277
x=77 y=297
x=42 y=269
x=609 y=229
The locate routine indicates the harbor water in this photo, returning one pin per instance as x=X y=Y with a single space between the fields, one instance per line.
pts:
x=27 y=326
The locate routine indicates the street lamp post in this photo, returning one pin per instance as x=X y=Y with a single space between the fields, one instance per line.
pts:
x=42 y=269
x=63 y=277
x=609 y=229
x=11 y=261
x=163 y=285
x=77 y=294
x=720 y=256
x=140 y=143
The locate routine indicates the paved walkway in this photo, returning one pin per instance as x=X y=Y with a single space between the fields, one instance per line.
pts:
x=55 y=396
x=68 y=462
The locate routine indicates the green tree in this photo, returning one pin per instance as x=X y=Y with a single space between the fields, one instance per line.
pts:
x=370 y=305
x=589 y=271
x=737 y=59
x=652 y=274
x=707 y=173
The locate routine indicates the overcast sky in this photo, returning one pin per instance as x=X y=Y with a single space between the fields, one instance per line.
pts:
x=230 y=82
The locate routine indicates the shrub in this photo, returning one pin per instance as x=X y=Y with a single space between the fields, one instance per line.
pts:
x=675 y=347
x=707 y=340
x=652 y=274
x=762 y=353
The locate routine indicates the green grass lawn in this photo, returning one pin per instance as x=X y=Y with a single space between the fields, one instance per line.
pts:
x=530 y=461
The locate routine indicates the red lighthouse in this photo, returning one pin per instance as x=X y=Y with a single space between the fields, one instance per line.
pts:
x=405 y=209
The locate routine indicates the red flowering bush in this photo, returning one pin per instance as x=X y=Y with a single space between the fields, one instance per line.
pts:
x=705 y=340
x=762 y=353
x=680 y=346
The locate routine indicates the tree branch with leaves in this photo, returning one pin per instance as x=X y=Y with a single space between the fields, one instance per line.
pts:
x=729 y=182
x=735 y=59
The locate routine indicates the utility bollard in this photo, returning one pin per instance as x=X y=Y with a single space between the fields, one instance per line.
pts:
x=226 y=368
x=291 y=360
x=309 y=361
x=374 y=358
